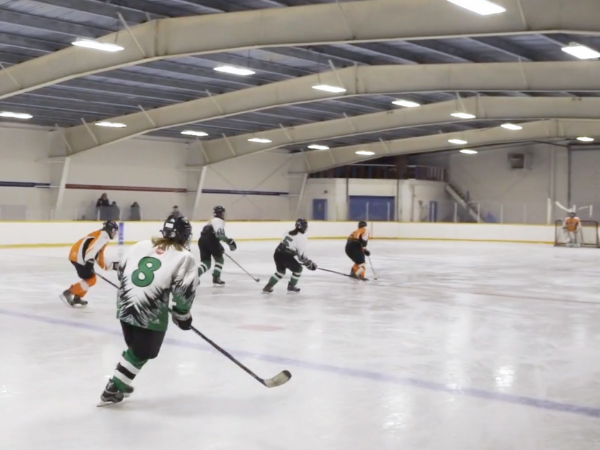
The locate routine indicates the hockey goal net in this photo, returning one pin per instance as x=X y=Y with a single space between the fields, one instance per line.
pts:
x=587 y=236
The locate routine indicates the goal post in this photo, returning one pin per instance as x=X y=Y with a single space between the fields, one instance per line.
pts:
x=587 y=237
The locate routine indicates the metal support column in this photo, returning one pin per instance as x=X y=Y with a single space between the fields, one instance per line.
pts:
x=62 y=186
x=301 y=196
x=199 y=192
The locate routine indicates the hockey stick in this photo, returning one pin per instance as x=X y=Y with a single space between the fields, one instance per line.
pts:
x=372 y=268
x=277 y=380
x=247 y=273
x=108 y=281
x=339 y=273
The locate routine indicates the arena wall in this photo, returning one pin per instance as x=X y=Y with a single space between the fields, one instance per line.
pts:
x=18 y=234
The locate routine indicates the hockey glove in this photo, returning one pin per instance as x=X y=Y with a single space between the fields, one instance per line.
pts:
x=232 y=245
x=310 y=265
x=183 y=321
x=367 y=252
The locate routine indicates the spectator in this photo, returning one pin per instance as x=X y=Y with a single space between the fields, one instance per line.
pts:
x=115 y=212
x=134 y=212
x=103 y=207
x=175 y=213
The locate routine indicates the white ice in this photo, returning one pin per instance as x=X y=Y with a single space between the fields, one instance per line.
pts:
x=457 y=346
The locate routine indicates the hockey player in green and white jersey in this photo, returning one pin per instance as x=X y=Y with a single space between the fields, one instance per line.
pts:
x=210 y=245
x=149 y=273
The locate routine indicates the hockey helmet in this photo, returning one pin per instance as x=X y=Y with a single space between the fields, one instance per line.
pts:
x=362 y=224
x=179 y=229
x=572 y=214
x=111 y=227
x=219 y=211
x=301 y=225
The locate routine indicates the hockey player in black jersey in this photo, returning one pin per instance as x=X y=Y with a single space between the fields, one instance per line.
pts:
x=292 y=246
x=210 y=245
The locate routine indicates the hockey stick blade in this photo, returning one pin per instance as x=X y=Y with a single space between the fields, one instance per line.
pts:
x=278 y=379
x=247 y=273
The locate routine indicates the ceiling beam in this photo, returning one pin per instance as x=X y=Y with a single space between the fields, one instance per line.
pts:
x=363 y=80
x=347 y=22
x=486 y=109
x=540 y=130
x=104 y=9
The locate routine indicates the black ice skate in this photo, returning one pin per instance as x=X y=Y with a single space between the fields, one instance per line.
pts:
x=218 y=282
x=353 y=274
x=77 y=300
x=268 y=288
x=67 y=298
x=111 y=395
x=128 y=391
x=293 y=288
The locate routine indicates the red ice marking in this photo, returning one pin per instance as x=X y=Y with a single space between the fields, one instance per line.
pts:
x=259 y=327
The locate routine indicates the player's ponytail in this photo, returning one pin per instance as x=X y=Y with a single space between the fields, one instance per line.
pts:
x=166 y=243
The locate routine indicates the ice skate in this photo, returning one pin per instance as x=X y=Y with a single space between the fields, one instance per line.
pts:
x=353 y=274
x=218 y=282
x=293 y=288
x=67 y=298
x=77 y=300
x=111 y=395
x=268 y=288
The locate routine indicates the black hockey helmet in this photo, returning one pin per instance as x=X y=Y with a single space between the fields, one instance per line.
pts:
x=362 y=224
x=111 y=227
x=301 y=225
x=179 y=229
x=219 y=211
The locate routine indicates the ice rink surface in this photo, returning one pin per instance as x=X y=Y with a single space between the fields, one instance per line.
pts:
x=457 y=346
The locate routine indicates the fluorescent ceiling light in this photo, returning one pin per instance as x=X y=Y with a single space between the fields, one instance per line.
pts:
x=194 y=133
x=463 y=115
x=581 y=51
x=103 y=46
x=14 y=115
x=511 y=126
x=406 y=103
x=110 y=124
x=235 y=70
x=585 y=139
x=318 y=147
x=457 y=141
x=329 y=88
x=467 y=151
x=260 y=140
x=365 y=153
x=482 y=7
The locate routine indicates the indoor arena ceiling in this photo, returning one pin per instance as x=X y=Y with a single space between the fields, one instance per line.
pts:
x=507 y=67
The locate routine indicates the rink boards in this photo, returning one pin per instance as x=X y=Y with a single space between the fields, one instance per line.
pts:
x=23 y=234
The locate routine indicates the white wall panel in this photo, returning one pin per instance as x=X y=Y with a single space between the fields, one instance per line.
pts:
x=490 y=182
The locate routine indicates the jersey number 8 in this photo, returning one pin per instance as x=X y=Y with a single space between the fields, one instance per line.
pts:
x=144 y=275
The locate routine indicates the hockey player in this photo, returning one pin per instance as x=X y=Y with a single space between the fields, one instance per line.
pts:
x=148 y=274
x=210 y=245
x=356 y=249
x=83 y=255
x=293 y=245
x=572 y=228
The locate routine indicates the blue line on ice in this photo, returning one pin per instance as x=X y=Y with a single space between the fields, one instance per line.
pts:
x=355 y=373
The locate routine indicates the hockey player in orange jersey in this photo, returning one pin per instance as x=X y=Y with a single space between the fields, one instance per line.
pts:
x=83 y=255
x=356 y=249
x=572 y=228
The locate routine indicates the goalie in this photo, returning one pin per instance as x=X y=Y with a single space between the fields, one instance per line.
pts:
x=572 y=229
